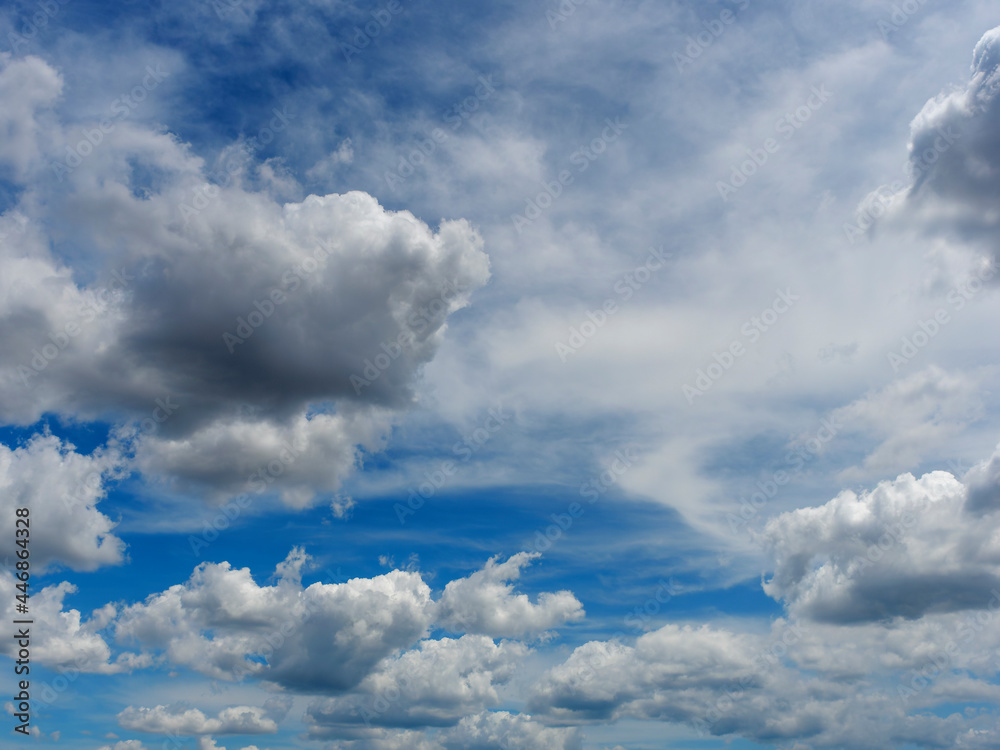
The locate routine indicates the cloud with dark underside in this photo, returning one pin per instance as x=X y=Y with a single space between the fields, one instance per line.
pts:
x=233 y=330
x=955 y=155
x=908 y=548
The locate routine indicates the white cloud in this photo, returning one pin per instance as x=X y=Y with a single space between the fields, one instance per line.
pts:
x=61 y=638
x=124 y=745
x=497 y=730
x=323 y=638
x=786 y=686
x=435 y=684
x=27 y=85
x=387 y=739
x=500 y=729
x=178 y=720
x=62 y=489
x=676 y=664
x=904 y=549
x=207 y=743
x=327 y=167
x=297 y=457
x=913 y=417
x=486 y=603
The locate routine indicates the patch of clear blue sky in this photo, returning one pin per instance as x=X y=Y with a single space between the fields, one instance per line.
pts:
x=86 y=436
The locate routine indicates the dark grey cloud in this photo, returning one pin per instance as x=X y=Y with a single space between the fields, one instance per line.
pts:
x=176 y=303
x=955 y=153
x=983 y=487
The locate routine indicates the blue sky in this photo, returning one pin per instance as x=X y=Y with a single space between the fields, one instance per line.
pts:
x=581 y=375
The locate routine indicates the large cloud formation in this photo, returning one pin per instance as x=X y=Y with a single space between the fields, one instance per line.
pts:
x=325 y=638
x=789 y=686
x=893 y=597
x=362 y=644
x=229 y=328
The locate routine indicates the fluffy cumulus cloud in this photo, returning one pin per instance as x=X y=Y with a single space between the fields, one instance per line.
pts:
x=489 y=730
x=62 y=489
x=62 y=638
x=485 y=602
x=955 y=153
x=938 y=657
x=907 y=548
x=181 y=312
x=671 y=673
x=191 y=721
x=501 y=729
x=326 y=637
x=286 y=317
x=238 y=454
x=789 y=686
x=435 y=684
x=359 y=640
x=387 y=739
x=207 y=743
x=893 y=597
